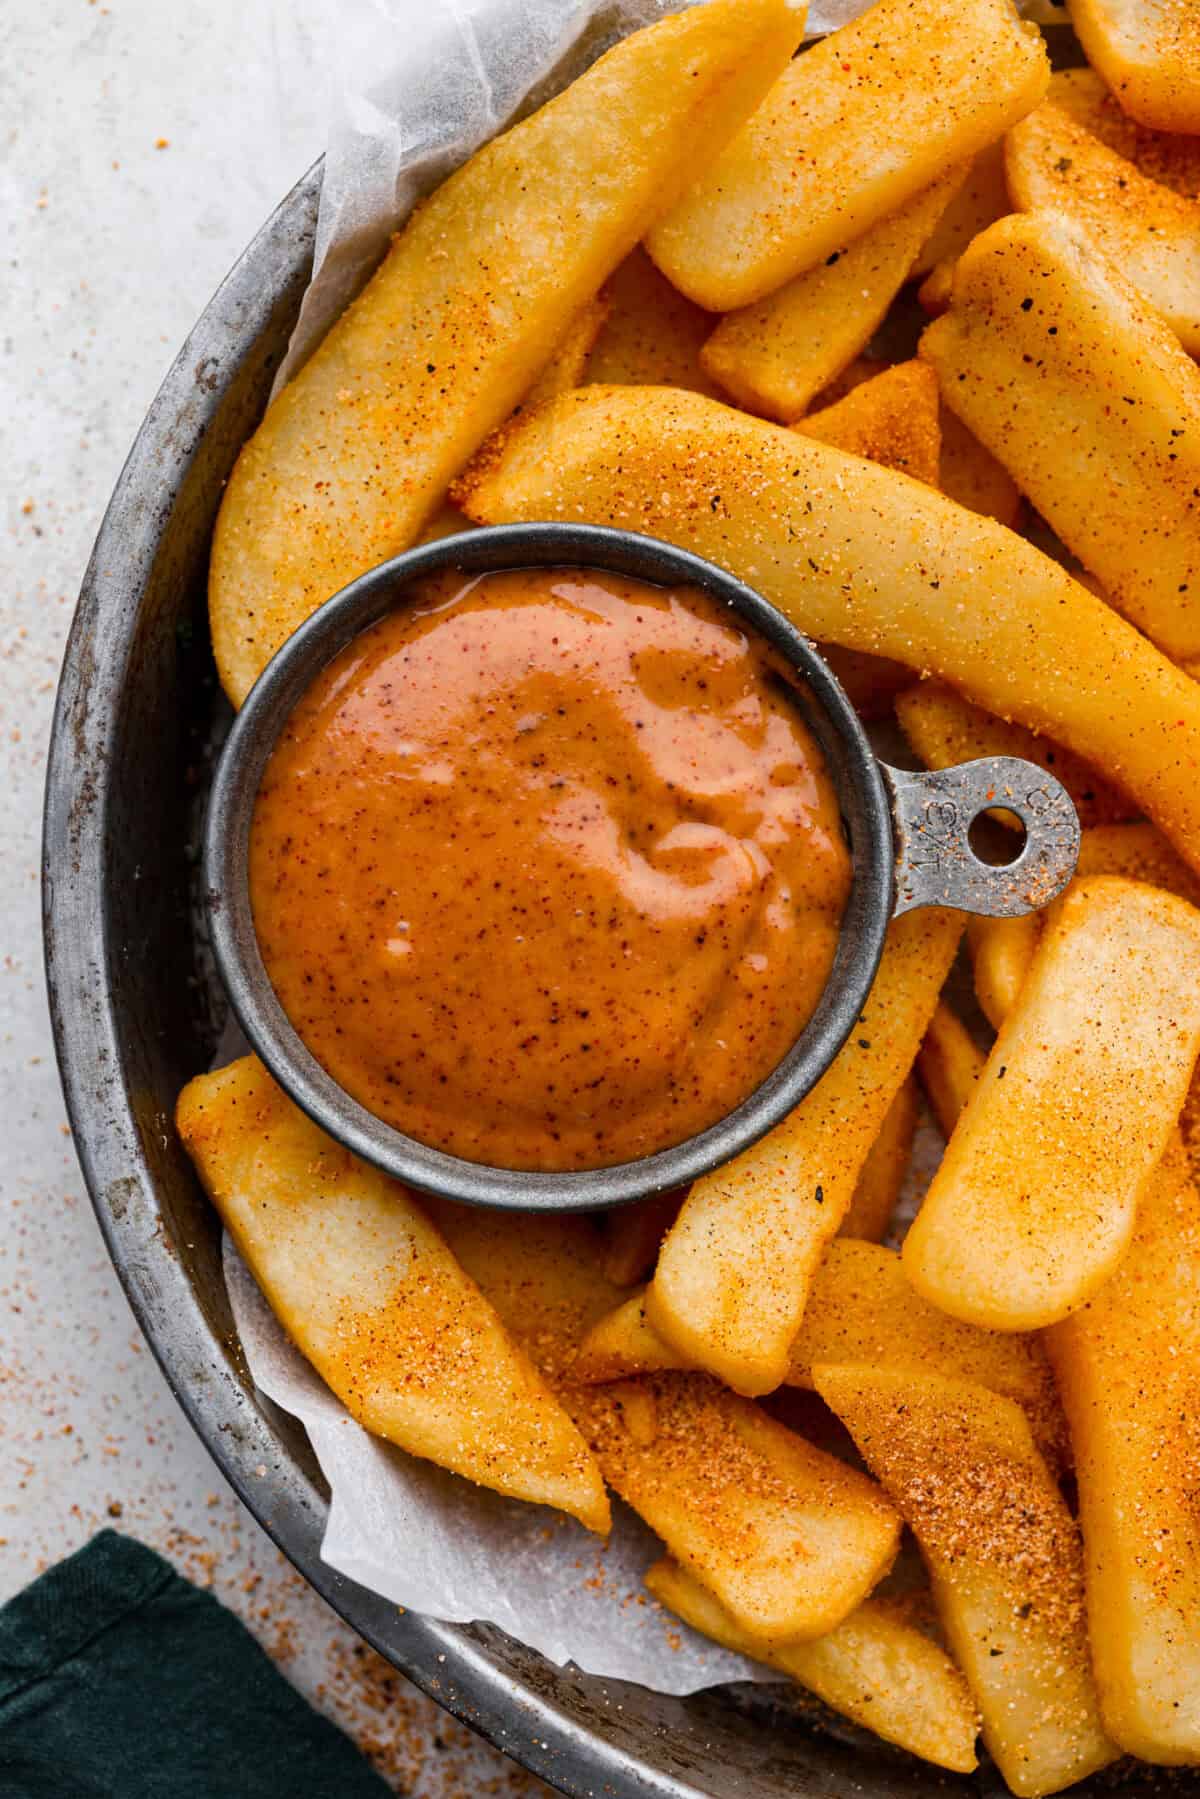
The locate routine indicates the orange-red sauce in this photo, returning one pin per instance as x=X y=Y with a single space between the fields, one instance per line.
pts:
x=546 y=869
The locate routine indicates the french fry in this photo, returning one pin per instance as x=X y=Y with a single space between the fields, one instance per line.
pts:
x=787 y=1538
x=850 y=133
x=1165 y=156
x=892 y=419
x=367 y=1289
x=735 y=1270
x=971 y=475
x=653 y=334
x=879 y=1183
x=1128 y=1367
x=874 y=1668
x=450 y=332
x=863 y=1310
x=944 y=728
x=1002 y=952
x=1152 y=234
x=1004 y=1557
x=634 y=1234
x=979 y=202
x=1034 y=1202
x=933 y=295
x=1148 y=51
x=773 y=357
x=949 y=1063
x=860 y=556
x=567 y=366
x=1056 y=364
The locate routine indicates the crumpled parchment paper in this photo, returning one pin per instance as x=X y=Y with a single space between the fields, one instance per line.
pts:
x=419 y=85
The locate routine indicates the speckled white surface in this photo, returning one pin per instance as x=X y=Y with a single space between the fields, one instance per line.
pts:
x=144 y=142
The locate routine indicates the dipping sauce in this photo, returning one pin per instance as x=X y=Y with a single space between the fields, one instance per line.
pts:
x=546 y=868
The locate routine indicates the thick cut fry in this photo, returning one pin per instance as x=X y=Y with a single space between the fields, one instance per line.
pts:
x=366 y=1287
x=874 y=1668
x=851 y=132
x=653 y=334
x=860 y=556
x=971 y=475
x=788 y=1538
x=1055 y=362
x=634 y=1234
x=776 y=355
x=452 y=330
x=1054 y=164
x=883 y=1172
x=862 y=1309
x=1004 y=1557
x=892 y=419
x=1148 y=51
x=933 y=295
x=1034 y=1202
x=950 y=1064
x=1002 y=952
x=979 y=202
x=771 y=1524
x=1165 y=156
x=566 y=367
x=944 y=728
x=1128 y=1368
x=734 y=1272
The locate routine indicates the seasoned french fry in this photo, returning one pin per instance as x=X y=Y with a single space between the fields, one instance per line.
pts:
x=451 y=331
x=851 y=132
x=874 y=1668
x=1152 y=234
x=634 y=1234
x=786 y=1537
x=1128 y=1367
x=933 y=295
x=653 y=334
x=892 y=419
x=734 y=1273
x=979 y=202
x=860 y=556
x=1002 y=951
x=1165 y=156
x=950 y=1063
x=972 y=476
x=1148 y=51
x=368 y=1290
x=776 y=355
x=1033 y=1204
x=1055 y=363
x=944 y=728
x=566 y=367
x=879 y=1183
x=861 y=1309
x=1003 y=1554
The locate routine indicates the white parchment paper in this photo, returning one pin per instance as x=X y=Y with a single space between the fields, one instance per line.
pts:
x=419 y=85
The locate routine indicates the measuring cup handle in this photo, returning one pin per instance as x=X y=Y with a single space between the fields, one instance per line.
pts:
x=932 y=815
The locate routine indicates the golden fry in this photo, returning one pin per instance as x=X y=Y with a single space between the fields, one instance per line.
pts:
x=634 y=1234
x=893 y=419
x=453 y=329
x=1004 y=1557
x=653 y=334
x=950 y=1063
x=1128 y=1367
x=568 y=364
x=860 y=556
x=1002 y=951
x=367 y=1289
x=879 y=1183
x=775 y=356
x=1148 y=51
x=1054 y=164
x=1034 y=1202
x=1165 y=156
x=874 y=1668
x=979 y=202
x=1058 y=365
x=972 y=476
x=734 y=1272
x=851 y=132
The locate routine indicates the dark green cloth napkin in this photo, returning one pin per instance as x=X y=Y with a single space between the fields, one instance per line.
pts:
x=120 y=1680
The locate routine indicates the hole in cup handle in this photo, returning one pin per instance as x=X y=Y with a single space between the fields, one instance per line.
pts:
x=932 y=815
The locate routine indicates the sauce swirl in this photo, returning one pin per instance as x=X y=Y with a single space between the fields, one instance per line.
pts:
x=546 y=869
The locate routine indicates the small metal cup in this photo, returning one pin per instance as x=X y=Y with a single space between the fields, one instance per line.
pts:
x=907 y=833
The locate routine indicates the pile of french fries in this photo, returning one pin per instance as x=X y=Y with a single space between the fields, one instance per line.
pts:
x=652 y=304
